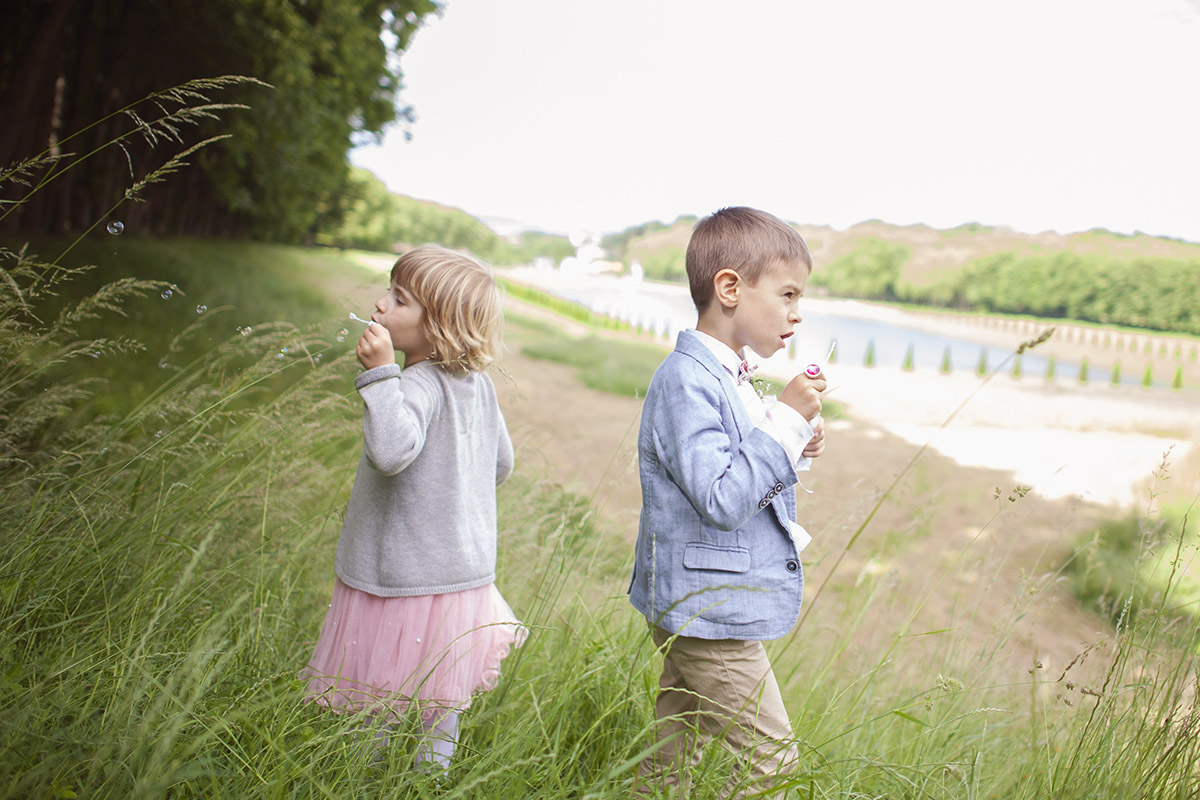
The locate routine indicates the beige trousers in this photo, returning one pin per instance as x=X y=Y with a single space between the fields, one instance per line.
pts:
x=717 y=689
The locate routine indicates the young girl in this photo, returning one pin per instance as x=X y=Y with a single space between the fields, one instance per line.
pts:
x=416 y=620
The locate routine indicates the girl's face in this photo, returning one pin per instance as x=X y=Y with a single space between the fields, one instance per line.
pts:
x=403 y=317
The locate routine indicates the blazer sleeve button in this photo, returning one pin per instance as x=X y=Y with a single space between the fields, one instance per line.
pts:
x=778 y=488
x=792 y=565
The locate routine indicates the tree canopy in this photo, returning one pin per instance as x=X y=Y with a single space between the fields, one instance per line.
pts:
x=1153 y=283
x=332 y=67
x=371 y=217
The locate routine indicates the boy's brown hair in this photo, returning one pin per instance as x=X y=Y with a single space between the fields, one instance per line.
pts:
x=748 y=241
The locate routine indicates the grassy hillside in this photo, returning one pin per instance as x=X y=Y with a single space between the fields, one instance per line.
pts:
x=165 y=564
x=372 y=217
x=1096 y=276
x=934 y=252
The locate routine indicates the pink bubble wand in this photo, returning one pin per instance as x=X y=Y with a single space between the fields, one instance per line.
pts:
x=813 y=370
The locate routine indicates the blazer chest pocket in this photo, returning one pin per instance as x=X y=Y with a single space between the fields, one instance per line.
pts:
x=721 y=559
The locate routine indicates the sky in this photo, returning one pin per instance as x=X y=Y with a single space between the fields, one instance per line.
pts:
x=581 y=115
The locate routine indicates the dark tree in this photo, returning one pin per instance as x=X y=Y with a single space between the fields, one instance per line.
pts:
x=68 y=65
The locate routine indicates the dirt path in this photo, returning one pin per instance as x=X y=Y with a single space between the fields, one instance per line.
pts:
x=941 y=553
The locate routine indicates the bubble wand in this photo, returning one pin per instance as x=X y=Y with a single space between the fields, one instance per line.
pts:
x=368 y=322
x=814 y=370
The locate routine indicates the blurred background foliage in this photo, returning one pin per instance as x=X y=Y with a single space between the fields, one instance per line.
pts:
x=82 y=74
x=77 y=74
x=1097 y=276
x=371 y=217
x=71 y=67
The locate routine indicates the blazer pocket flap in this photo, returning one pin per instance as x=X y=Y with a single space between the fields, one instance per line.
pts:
x=723 y=559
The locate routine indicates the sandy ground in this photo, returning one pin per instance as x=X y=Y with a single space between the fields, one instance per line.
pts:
x=951 y=547
x=943 y=552
x=1098 y=443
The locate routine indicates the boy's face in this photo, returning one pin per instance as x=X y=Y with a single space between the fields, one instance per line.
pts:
x=766 y=312
x=400 y=313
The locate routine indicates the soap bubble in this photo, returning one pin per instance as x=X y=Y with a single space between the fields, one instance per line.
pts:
x=200 y=309
x=341 y=335
x=246 y=331
x=116 y=228
x=166 y=294
x=317 y=358
x=163 y=365
x=283 y=352
x=158 y=434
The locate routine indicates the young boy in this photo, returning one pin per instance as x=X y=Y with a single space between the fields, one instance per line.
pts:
x=717 y=564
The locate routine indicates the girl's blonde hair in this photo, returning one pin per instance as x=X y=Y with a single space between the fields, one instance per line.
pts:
x=463 y=313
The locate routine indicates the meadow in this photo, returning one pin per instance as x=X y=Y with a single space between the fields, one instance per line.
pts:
x=172 y=482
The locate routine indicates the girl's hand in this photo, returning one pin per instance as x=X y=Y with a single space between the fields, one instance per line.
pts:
x=375 y=347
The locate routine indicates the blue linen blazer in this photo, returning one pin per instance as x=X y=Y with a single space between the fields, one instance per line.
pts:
x=715 y=558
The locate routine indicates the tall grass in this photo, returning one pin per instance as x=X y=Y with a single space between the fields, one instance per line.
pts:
x=164 y=577
x=164 y=574
x=166 y=562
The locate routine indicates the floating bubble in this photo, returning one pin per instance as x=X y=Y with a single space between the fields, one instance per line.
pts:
x=283 y=352
x=166 y=294
x=96 y=353
x=158 y=434
x=317 y=358
x=246 y=331
x=341 y=335
x=200 y=309
x=116 y=228
x=163 y=365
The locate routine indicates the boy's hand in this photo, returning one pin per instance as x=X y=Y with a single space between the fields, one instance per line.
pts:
x=803 y=393
x=375 y=347
x=816 y=445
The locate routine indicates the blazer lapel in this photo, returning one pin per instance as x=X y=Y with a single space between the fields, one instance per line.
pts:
x=689 y=345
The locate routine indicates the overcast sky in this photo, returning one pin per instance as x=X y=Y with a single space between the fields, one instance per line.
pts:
x=587 y=115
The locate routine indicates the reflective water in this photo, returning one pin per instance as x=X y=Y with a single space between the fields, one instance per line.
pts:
x=666 y=309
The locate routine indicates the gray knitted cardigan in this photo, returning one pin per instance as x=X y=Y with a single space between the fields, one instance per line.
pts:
x=422 y=514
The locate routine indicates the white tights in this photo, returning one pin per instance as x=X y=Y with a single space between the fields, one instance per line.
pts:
x=439 y=740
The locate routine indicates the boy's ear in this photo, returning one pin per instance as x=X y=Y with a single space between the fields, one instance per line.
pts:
x=727 y=287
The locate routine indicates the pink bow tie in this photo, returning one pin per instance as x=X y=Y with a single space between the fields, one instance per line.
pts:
x=745 y=371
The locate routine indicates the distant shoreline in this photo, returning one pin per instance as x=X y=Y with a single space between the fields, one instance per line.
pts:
x=1096 y=441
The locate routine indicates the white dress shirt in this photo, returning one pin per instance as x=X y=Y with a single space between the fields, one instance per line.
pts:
x=778 y=420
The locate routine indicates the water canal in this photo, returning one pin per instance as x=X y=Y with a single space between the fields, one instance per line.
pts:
x=858 y=328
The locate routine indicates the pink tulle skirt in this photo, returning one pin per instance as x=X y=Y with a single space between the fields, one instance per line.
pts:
x=385 y=654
